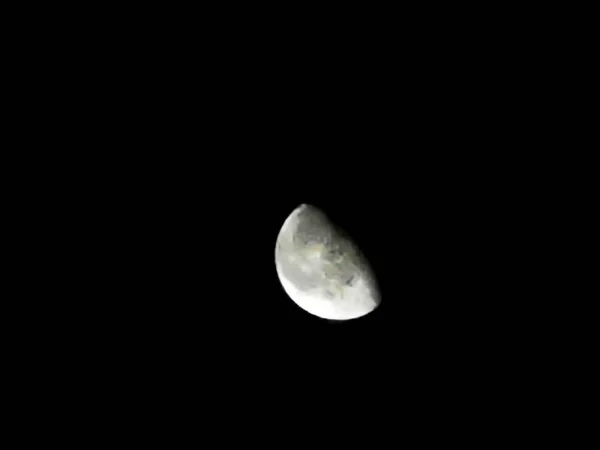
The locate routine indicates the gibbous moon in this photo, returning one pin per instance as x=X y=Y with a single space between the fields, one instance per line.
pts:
x=321 y=270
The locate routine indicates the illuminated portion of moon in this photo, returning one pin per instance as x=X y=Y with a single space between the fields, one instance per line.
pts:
x=321 y=270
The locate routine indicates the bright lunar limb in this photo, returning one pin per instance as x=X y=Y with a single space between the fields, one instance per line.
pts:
x=322 y=270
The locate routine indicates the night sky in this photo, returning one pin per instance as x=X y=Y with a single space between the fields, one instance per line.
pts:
x=172 y=190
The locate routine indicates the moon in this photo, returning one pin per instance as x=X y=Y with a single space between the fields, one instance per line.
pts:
x=321 y=269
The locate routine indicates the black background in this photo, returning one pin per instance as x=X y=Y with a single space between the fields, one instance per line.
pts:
x=179 y=151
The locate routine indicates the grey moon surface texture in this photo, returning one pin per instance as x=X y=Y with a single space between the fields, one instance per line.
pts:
x=321 y=269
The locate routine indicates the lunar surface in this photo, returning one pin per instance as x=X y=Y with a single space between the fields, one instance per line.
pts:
x=321 y=269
